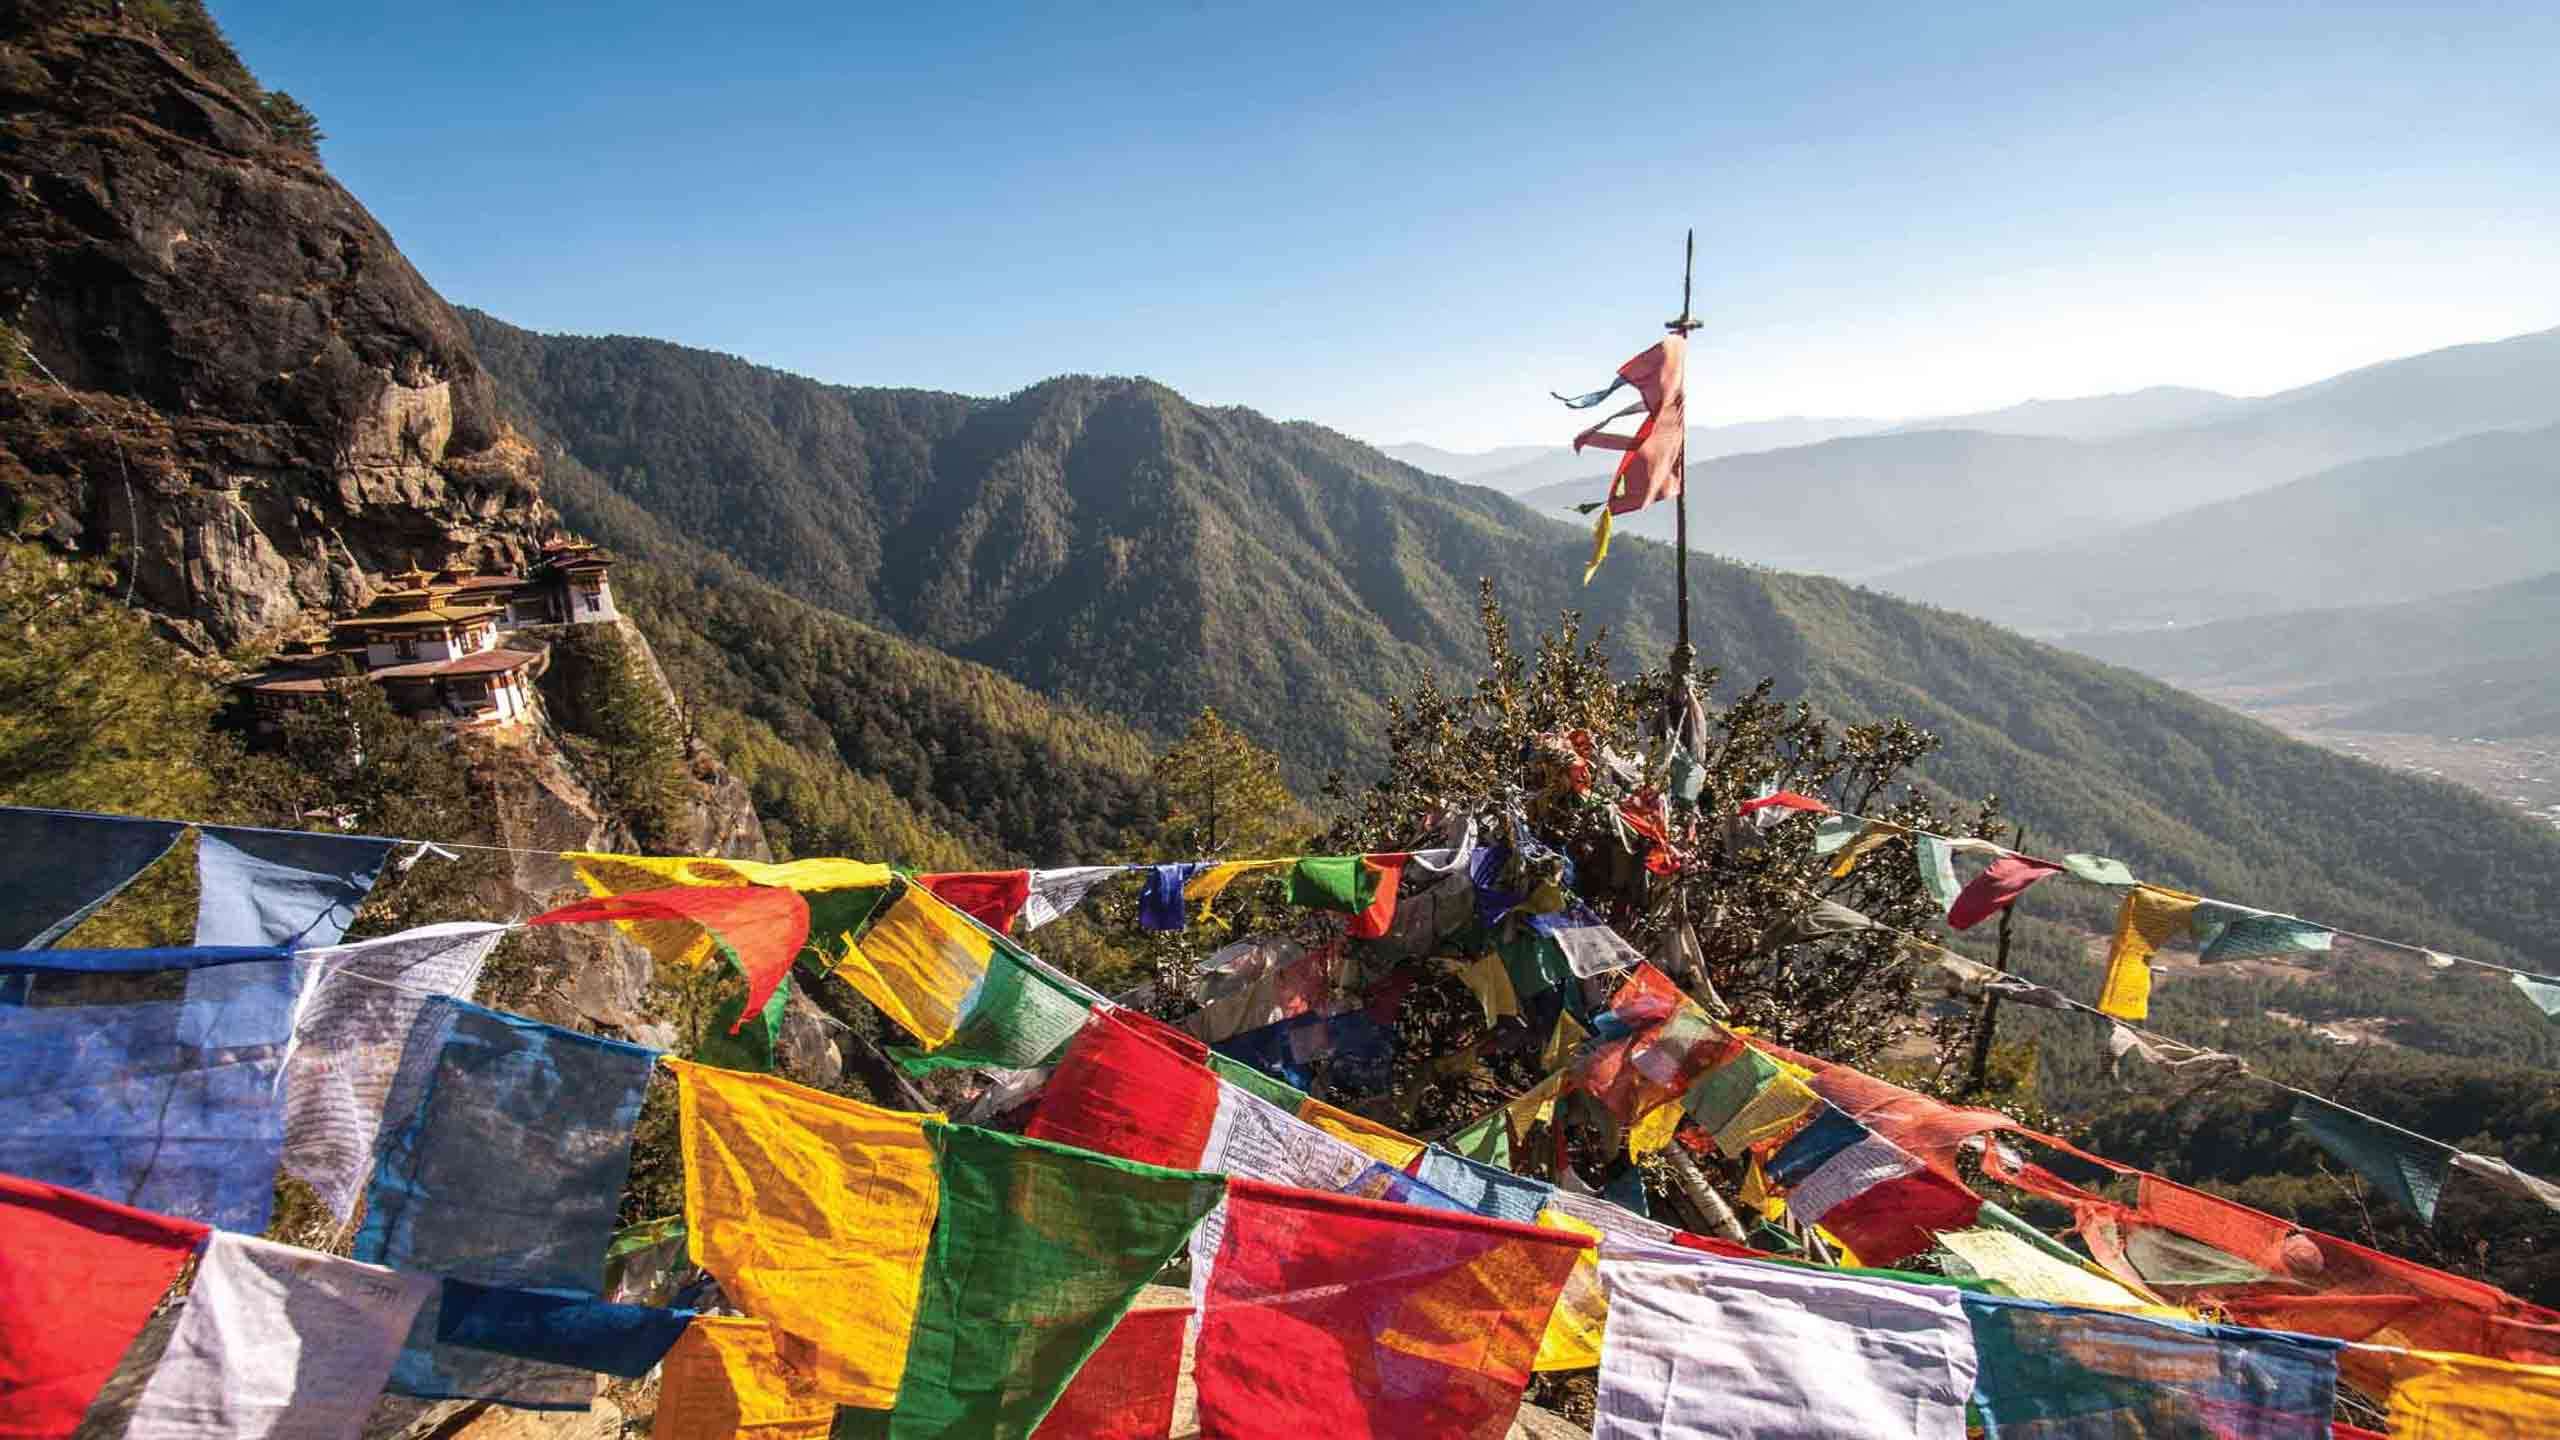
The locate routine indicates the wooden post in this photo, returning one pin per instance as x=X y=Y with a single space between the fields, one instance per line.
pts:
x=1702 y=1196
x=1683 y=655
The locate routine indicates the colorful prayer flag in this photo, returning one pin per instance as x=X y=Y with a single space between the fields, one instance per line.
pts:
x=917 y=964
x=1126 y=1391
x=281 y=887
x=761 y=927
x=2232 y=932
x=1996 y=889
x=1020 y=1015
x=726 y=1378
x=1055 y=892
x=1656 y=455
x=79 y=1277
x=1130 y=1086
x=2150 y=918
x=61 y=866
x=1388 y=1145
x=994 y=897
x=1345 y=1317
x=2407 y=1167
x=2045 y=1370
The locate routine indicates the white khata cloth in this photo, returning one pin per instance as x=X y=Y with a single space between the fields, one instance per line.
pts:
x=354 y=1029
x=1702 y=1348
x=1595 y=950
x=278 y=1343
x=1845 y=1176
x=1055 y=892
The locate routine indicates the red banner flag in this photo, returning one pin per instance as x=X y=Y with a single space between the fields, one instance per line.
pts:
x=1125 y=1391
x=78 y=1279
x=1133 y=1087
x=995 y=897
x=762 y=926
x=1345 y=1318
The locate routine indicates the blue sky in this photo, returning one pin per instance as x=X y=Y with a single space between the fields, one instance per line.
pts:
x=1410 y=222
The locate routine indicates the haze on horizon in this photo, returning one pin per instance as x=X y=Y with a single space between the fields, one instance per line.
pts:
x=1411 y=228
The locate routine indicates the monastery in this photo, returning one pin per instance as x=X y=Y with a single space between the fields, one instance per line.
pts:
x=430 y=640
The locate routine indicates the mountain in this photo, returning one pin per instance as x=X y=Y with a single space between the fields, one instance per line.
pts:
x=1108 y=543
x=2475 y=511
x=2095 y=417
x=1958 y=493
x=1464 y=464
x=2476 y=662
x=1519 y=469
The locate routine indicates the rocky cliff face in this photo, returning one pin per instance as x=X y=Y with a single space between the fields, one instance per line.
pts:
x=222 y=374
x=267 y=402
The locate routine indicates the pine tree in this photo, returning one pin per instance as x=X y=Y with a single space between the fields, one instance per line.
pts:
x=1222 y=796
x=639 y=738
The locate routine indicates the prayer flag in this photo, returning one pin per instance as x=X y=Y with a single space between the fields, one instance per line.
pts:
x=2029 y=1273
x=1018 y=1016
x=1890 y=1213
x=814 y=1213
x=2151 y=918
x=2439 y=1396
x=2544 y=994
x=1244 y=1077
x=1487 y=1141
x=1253 y=1139
x=1996 y=889
x=1490 y=981
x=840 y=894
x=1870 y=838
x=62 y=865
x=2047 y=1370
x=1333 y=882
x=360 y=1022
x=1055 y=892
x=1161 y=903
x=2407 y=1167
x=79 y=1277
x=994 y=897
x=1781 y=800
x=277 y=1341
x=281 y=887
x=726 y=1378
x=2098 y=870
x=1037 y=1252
x=762 y=927
x=2231 y=932
x=558 y=1328
x=1351 y=1318
x=1126 y=1391
x=1656 y=454
x=1132 y=1087
x=168 y=1105
x=1258 y=982
x=1829 y=1133
x=1937 y=862
x=1487 y=1190
x=2508 y=1178
x=1700 y=1345
x=1388 y=1145
x=1573 y=1334
x=917 y=964
x=503 y=1156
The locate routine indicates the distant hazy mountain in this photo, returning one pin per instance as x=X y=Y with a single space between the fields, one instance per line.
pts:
x=2476 y=662
x=1464 y=464
x=2095 y=417
x=1518 y=469
x=1881 y=504
x=2476 y=511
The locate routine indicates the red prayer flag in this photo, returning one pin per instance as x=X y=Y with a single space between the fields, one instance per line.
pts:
x=78 y=1279
x=1901 y=1217
x=1341 y=1317
x=1374 y=922
x=1125 y=1391
x=995 y=897
x=1126 y=1088
x=762 y=926
x=1656 y=460
x=1996 y=889
x=1788 y=799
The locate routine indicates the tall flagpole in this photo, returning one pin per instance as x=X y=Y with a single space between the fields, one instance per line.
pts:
x=1682 y=655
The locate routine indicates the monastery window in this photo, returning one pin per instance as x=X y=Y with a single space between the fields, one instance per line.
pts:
x=406 y=646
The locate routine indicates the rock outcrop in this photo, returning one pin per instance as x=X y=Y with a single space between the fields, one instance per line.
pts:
x=228 y=374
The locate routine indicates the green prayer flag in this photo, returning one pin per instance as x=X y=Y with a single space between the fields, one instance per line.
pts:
x=2543 y=993
x=1332 y=882
x=1536 y=962
x=1016 y=1017
x=1244 y=1077
x=1037 y=1251
x=2231 y=932
x=752 y=1047
x=2098 y=870
x=1719 y=1095
x=2407 y=1167
x=1937 y=862
x=836 y=916
x=1487 y=1142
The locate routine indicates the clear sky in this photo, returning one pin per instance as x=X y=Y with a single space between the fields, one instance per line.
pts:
x=1410 y=222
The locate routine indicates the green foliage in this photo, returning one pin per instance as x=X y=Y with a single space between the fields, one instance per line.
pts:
x=294 y=124
x=1222 y=797
x=639 y=740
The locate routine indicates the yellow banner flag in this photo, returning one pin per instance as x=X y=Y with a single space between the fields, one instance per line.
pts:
x=1490 y=979
x=814 y=1213
x=2151 y=918
x=918 y=962
x=681 y=942
x=723 y=1378
x=1575 y=1326
x=1209 y=884
x=1561 y=1045
x=1384 y=1142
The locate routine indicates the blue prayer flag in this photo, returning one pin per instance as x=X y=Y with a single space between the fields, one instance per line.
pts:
x=58 y=866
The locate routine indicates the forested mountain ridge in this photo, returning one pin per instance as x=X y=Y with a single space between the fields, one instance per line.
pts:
x=1109 y=543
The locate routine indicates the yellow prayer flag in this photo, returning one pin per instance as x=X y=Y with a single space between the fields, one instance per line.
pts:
x=1874 y=834
x=1572 y=1338
x=1599 y=552
x=1766 y=1116
x=1847 y=1258
x=1561 y=1045
x=1755 y=1193
x=2441 y=1396
x=813 y=1212
x=918 y=962
x=723 y=1378
x=1383 y=1142
x=1490 y=979
x=1653 y=1132
x=1534 y=1108
x=2151 y=918
x=1209 y=884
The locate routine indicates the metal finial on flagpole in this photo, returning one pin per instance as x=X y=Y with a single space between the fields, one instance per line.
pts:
x=1682 y=654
